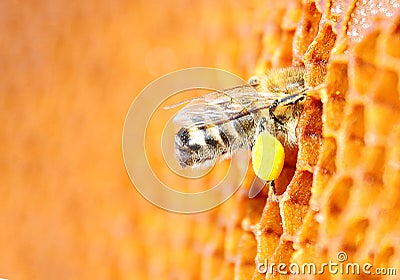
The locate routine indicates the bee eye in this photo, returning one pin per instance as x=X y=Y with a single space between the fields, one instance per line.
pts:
x=254 y=81
x=268 y=156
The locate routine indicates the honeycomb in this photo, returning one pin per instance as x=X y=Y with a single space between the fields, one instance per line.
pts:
x=344 y=194
x=338 y=195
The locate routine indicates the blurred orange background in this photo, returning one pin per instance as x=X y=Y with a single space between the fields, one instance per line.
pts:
x=68 y=74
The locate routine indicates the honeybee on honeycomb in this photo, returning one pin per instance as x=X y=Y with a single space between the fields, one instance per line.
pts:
x=218 y=124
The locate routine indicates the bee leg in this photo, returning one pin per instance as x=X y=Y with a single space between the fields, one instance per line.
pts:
x=272 y=191
x=272 y=185
x=292 y=99
x=272 y=109
x=286 y=101
x=265 y=125
x=262 y=125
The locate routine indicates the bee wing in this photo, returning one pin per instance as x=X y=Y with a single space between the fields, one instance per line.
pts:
x=220 y=106
x=219 y=94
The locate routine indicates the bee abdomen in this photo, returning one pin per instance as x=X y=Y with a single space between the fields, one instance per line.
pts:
x=202 y=145
x=215 y=137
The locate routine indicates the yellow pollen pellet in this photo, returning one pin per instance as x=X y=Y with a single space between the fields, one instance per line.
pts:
x=268 y=156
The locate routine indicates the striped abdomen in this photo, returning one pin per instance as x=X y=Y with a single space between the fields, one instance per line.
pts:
x=203 y=144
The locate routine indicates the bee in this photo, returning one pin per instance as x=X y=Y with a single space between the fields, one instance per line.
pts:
x=217 y=125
